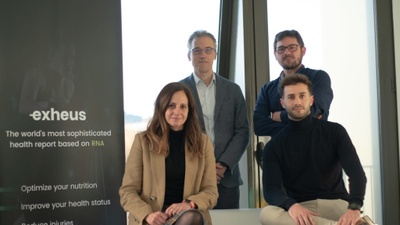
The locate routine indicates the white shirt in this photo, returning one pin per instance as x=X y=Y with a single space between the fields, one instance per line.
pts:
x=207 y=101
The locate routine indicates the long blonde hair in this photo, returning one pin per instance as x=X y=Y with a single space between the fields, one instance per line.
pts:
x=157 y=132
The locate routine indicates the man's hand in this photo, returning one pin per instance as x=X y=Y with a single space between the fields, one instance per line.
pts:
x=276 y=116
x=301 y=215
x=350 y=217
x=220 y=171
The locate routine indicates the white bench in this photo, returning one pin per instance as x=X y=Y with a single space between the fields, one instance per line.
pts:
x=235 y=216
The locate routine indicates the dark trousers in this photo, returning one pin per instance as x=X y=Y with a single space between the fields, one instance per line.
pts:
x=228 y=197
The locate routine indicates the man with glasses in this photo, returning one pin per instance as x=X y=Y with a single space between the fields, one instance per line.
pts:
x=269 y=116
x=222 y=112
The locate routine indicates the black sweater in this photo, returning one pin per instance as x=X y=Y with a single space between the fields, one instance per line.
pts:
x=308 y=157
x=175 y=168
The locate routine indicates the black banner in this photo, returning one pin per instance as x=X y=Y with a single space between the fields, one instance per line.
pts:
x=62 y=126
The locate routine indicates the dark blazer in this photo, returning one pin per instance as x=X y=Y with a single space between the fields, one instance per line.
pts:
x=231 y=127
x=143 y=186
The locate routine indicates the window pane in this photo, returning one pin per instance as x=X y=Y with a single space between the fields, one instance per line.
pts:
x=154 y=37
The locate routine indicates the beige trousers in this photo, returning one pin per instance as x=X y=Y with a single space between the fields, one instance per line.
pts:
x=330 y=212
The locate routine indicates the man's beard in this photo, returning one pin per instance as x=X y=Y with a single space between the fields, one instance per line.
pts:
x=298 y=117
x=293 y=65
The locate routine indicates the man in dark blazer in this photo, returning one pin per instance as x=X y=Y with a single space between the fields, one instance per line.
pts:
x=223 y=114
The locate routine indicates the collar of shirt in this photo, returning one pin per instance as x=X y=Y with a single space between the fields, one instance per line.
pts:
x=197 y=79
x=282 y=75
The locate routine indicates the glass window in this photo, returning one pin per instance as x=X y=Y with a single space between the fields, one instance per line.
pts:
x=154 y=39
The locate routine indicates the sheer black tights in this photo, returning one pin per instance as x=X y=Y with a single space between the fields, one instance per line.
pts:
x=191 y=217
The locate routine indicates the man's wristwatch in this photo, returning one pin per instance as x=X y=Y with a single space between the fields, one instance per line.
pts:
x=354 y=206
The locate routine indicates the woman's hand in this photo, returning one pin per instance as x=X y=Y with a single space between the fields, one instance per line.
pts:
x=177 y=208
x=156 y=218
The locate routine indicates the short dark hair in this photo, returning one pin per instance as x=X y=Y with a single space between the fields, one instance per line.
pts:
x=200 y=33
x=288 y=33
x=295 y=79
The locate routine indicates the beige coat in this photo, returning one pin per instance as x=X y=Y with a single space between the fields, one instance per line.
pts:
x=143 y=186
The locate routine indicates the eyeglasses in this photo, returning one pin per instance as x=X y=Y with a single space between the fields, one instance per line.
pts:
x=282 y=49
x=199 y=51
